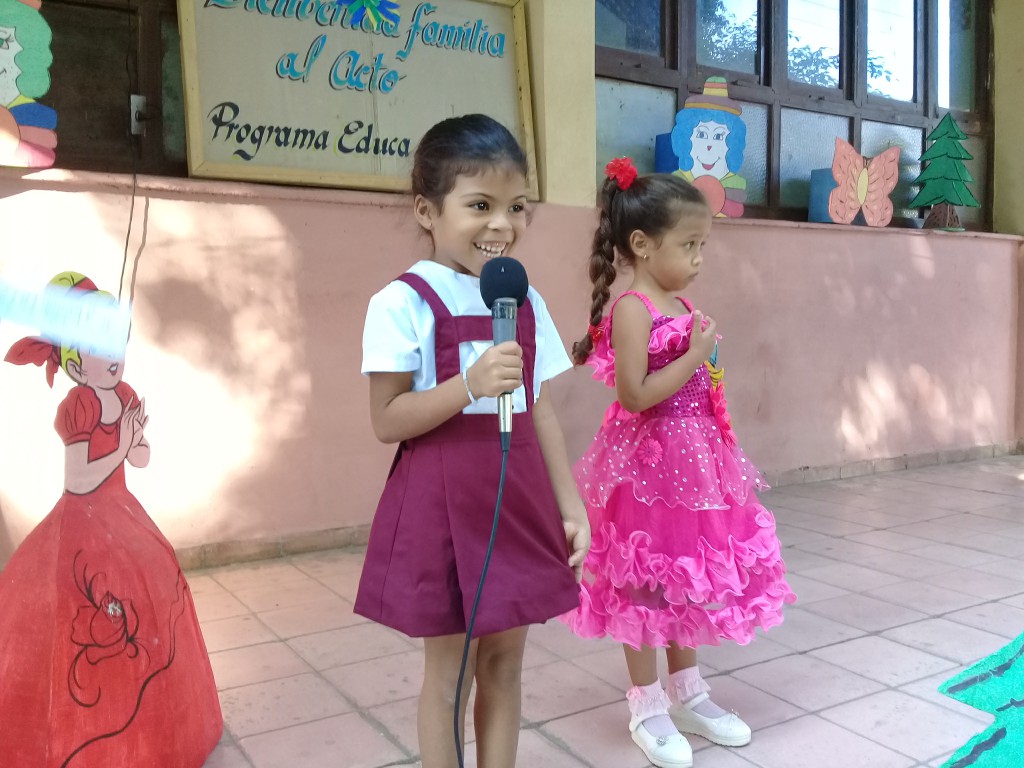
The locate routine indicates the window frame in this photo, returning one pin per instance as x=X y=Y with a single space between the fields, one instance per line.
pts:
x=144 y=78
x=771 y=85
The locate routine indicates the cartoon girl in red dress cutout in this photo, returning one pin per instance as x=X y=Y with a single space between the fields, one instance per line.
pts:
x=102 y=662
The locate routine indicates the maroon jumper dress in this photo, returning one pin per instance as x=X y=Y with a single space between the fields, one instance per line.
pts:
x=430 y=531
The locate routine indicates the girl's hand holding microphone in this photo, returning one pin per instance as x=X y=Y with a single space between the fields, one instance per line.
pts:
x=499 y=369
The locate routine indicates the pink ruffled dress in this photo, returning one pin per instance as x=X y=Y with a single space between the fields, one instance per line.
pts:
x=682 y=550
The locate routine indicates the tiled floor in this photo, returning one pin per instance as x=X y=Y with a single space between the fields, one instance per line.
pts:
x=903 y=579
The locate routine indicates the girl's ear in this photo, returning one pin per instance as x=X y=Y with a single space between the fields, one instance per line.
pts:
x=75 y=372
x=424 y=211
x=639 y=242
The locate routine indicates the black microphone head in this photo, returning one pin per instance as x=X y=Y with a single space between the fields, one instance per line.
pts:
x=503 y=278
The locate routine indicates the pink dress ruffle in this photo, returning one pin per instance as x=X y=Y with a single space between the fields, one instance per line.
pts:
x=670 y=336
x=682 y=550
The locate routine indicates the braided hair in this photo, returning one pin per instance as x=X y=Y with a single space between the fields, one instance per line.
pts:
x=652 y=204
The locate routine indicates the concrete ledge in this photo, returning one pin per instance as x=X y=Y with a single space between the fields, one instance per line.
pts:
x=802 y=475
x=228 y=552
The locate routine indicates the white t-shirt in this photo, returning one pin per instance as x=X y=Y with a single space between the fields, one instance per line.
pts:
x=399 y=333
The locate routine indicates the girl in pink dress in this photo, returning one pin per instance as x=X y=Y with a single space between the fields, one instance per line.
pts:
x=683 y=553
x=102 y=662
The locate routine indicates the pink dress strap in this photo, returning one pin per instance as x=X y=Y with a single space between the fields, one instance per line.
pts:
x=647 y=303
x=611 y=312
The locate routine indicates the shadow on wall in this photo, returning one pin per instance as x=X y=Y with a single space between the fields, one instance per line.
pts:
x=252 y=344
x=859 y=344
x=955 y=386
x=265 y=323
x=246 y=344
x=839 y=345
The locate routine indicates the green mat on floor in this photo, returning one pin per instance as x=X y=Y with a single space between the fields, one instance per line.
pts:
x=995 y=684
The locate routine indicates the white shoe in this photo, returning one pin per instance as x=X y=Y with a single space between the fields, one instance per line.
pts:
x=664 y=751
x=728 y=730
x=672 y=751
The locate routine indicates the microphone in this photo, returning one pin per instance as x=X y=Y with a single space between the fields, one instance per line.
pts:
x=503 y=287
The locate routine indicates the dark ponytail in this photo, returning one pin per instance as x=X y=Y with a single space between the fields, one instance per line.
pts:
x=651 y=204
x=468 y=144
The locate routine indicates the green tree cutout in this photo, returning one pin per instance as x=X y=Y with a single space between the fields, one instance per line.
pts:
x=944 y=181
x=996 y=685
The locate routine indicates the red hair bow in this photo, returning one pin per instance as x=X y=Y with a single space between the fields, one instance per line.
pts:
x=622 y=170
x=34 y=350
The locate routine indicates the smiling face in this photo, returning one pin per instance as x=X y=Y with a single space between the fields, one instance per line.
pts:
x=709 y=146
x=9 y=71
x=482 y=217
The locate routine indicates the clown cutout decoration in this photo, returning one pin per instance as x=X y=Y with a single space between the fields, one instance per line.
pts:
x=709 y=139
x=27 y=137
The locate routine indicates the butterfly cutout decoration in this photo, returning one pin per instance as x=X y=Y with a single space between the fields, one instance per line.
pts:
x=864 y=184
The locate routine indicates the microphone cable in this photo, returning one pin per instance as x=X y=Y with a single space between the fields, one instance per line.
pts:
x=476 y=600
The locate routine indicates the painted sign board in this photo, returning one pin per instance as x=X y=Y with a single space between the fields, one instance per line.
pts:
x=338 y=92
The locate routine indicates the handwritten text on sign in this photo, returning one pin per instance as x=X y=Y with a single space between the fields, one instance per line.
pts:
x=351 y=85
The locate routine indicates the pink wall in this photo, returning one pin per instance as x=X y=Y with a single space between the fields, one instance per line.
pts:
x=842 y=345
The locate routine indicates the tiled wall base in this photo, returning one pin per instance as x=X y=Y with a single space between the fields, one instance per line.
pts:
x=227 y=552
x=891 y=464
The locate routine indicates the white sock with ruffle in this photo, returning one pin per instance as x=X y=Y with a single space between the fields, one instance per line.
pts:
x=650 y=705
x=687 y=688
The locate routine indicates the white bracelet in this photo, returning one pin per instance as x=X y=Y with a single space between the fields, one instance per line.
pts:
x=465 y=380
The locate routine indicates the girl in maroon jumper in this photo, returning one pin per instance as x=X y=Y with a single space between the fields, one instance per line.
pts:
x=434 y=378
